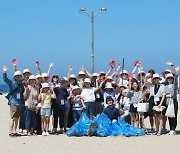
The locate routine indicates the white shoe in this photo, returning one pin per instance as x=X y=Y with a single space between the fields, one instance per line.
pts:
x=172 y=132
x=47 y=134
x=43 y=133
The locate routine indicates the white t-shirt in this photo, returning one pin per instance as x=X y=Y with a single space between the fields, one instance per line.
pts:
x=88 y=94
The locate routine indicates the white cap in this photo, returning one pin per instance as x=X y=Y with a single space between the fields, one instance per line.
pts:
x=45 y=85
x=156 y=75
x=72 y=76
x=87 y=80
x=26 y=71
x=38 y=76
x=81 y=73
x=124 y=71
x=32 y=77
x=17 y=73
x=169 y=75
x=45 y=75
x=108 y=85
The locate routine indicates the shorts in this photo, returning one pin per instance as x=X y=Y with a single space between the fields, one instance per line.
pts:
x=67 y=105
x=90 y=108
x=46 y=112
x=15 y=111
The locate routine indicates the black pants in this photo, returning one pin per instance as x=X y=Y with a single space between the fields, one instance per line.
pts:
x=58 y=116
x=22 y=119
x=173 y=121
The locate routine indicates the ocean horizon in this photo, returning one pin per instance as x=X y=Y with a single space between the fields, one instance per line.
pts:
x=4 y=88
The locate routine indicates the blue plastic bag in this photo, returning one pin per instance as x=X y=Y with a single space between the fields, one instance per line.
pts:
x=81 y=127
x=103 y=126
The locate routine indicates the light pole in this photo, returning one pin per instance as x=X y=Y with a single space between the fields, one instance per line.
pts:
x=92 y=16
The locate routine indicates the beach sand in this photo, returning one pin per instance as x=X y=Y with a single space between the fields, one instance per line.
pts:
x=148 y=144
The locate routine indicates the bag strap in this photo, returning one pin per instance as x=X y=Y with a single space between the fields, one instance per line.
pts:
x=14 y=90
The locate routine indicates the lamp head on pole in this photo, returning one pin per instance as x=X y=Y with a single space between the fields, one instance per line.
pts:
x=103 y=10
x=82 y=10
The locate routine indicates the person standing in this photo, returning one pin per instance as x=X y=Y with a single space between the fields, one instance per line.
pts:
x=157 y=103
x=16 y=99
x=59 y=106
x=171 y=95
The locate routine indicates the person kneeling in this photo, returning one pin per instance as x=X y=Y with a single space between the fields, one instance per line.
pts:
x=110 y=110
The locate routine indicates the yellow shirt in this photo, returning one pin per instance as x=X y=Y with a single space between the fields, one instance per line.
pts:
x=46 y=99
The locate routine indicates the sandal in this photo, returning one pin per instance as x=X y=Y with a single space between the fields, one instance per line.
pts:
x=16 y=134
x=12 y=135
x=158 y=134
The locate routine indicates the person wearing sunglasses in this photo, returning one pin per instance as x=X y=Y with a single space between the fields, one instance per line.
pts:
x=16 y=99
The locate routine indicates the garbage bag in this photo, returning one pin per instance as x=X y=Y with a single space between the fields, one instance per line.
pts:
x=103 y=126
x=81 y=127
x=129 y=130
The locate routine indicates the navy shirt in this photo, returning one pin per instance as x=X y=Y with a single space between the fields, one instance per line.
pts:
x=61 y=96
x=112 y=113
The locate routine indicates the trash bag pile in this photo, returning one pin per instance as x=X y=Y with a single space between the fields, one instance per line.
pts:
x=102 y=126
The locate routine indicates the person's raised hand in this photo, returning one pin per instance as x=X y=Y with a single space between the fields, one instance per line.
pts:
x=5 y=69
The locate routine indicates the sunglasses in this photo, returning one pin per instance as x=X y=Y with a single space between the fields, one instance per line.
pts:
x=55 y=76
x=18 y=76
x=124 y=74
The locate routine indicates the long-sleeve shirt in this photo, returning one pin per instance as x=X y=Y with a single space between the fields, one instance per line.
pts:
x=17 y=97
x=112 y=113
x=171 y=89
x=135 y=97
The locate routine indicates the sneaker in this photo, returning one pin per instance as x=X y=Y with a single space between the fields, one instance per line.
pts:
x=43 y=133
x=20 y=131
x=172 y=132
x=47 y=134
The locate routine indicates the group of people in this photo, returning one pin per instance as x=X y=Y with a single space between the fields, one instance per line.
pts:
x=36 y=100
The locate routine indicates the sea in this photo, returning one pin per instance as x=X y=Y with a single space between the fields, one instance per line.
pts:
x=4 y=88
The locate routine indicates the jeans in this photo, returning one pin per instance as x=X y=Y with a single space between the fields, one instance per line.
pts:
x=30 y=119
x=90 y=108
x=76 y=115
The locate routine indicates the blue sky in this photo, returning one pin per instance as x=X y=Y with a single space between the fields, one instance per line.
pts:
x=55 y=31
